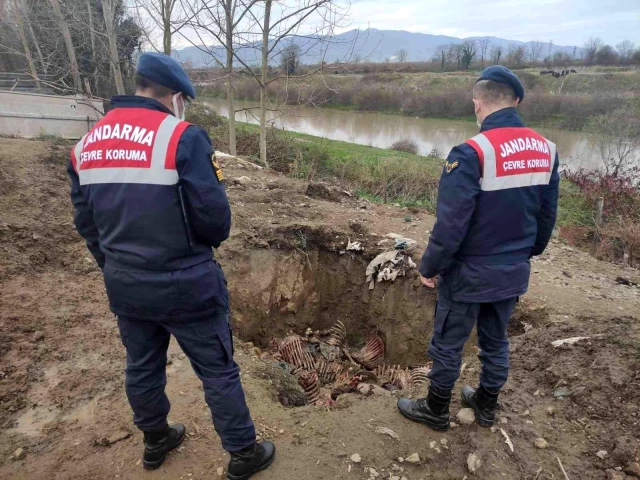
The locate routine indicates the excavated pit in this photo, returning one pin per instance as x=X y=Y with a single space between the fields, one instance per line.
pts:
x=278 y=292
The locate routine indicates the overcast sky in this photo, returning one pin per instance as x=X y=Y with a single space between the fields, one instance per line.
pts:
x=566 y=22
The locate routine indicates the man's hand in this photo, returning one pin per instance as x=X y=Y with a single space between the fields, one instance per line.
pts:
x=428 y=282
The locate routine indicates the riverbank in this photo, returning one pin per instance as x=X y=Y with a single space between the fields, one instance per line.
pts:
x=568 y=102
x=412 y=181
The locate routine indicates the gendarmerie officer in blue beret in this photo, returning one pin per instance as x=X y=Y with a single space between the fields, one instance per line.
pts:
x=496 y=209
x=150 y=204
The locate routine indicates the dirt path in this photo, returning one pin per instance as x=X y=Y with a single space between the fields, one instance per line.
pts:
x=61 y=360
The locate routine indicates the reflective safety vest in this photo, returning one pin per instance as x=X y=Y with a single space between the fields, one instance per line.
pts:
x=512 y=157
x=130 y=145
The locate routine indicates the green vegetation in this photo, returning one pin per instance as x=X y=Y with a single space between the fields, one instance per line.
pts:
x=567 y=102
x=412 y=180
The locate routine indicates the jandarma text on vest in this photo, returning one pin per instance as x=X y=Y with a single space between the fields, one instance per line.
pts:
x=519 y=164
x=522 y=144
x=118 y=132
x=113 y=154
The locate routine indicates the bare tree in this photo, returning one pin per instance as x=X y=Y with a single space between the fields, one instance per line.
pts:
x=516 y=55
x=617 y=141
x=440 y=56
x=290 y=59
x=66 y=36
x=168 y=16
x=25 y=43
x=467 y=52
x=114 y=59
x=220 y=22
x=535 y=50
x=591 y=48
x=402 y=55
x=483 y=46
x=496 y=54
x=625 y=50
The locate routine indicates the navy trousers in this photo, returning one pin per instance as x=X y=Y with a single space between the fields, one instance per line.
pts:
x=209 y=346
x=452 y=326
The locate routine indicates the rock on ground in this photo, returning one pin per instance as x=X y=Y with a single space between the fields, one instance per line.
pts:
x=466 y=416
x=473 y=462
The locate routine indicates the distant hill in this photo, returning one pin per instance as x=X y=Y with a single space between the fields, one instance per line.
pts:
x=371 y=45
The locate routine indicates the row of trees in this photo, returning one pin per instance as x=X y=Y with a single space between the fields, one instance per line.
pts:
x=90 y=45
x=460 y=56
x=85 y=45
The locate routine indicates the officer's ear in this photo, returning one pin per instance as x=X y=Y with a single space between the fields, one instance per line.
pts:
x=476 y=106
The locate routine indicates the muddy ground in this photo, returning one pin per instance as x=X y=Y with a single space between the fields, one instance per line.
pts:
x=61 y=360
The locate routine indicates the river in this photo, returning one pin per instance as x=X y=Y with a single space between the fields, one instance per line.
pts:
x=381 y=130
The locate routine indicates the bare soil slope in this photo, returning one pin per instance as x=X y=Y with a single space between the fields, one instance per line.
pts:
x=61 y=361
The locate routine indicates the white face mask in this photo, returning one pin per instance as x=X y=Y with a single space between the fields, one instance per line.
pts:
x=176 y=110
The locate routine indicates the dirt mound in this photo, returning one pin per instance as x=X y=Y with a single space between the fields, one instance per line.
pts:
x=289 y=270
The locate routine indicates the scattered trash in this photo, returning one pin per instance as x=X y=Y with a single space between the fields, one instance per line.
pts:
x=356 y=458
x=220 y=471
x=507 y=440
x=602 y=454
x=572 y=340
x=354 y=246
x=388 y=266
x=387 y=431
x=473 y=462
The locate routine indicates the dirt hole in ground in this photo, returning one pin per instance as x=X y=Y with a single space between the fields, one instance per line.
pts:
x=317 y=304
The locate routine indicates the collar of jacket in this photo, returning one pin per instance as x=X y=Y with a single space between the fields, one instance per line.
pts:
x=136 y=101
x=507 y=117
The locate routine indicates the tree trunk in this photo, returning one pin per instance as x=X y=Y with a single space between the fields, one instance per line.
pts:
x=66 y=35
x=25 y=45
x=166 y=27
x=229 y=68
x=113 y=47
x=263 y=83
x=92 y=34
x=34 y=39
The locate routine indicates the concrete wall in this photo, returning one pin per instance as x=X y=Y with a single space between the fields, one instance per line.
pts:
x=29 y=115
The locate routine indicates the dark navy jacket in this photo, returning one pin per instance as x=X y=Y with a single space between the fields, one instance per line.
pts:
x=482 y=240
x=153 y=242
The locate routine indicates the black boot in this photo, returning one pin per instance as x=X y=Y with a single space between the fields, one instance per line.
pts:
x=158 y=443
x=249 y=461
x=484 y=403
x=433 y=410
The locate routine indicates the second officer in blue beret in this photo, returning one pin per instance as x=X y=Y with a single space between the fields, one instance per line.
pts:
x=496 y=209
x=150 y=204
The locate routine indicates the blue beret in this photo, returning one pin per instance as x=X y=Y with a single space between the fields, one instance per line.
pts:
x=165 y=71
x=501 y=74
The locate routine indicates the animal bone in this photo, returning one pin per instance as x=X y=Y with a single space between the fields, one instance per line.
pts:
x=337 y=335
x=394 y=375
x=293 y=351
x=328 y=371
x=310 y=384
x=419 y=375
x=372 y=354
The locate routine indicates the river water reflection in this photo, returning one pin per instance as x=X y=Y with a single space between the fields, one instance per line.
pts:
x=381 y=130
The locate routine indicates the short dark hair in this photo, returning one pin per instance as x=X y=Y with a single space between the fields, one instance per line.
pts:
x=493 y=92
x=159 y=91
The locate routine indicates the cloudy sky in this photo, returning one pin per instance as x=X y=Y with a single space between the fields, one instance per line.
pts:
x=566 y=22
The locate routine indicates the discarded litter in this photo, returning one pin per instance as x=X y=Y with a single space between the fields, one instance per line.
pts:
x=388 y=266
